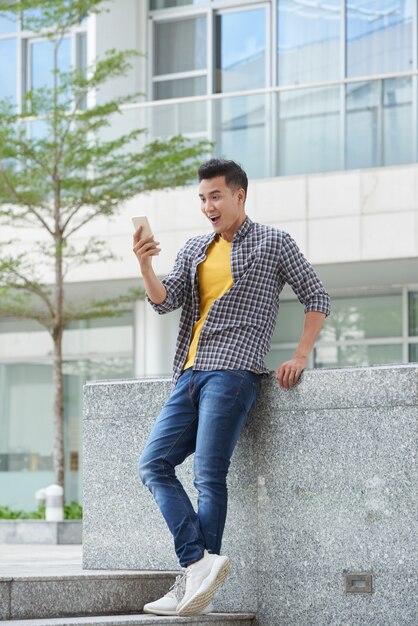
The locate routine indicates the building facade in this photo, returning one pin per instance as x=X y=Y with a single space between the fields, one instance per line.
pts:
x=318 y=102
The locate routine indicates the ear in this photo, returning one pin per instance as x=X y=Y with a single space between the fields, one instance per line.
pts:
x=241 y=195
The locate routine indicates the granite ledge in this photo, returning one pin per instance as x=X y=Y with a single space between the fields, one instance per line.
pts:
x=376 y=386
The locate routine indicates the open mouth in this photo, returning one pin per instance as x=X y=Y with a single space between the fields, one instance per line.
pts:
x=215 y=219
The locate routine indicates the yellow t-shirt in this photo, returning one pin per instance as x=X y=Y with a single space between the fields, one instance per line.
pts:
x=214 y=279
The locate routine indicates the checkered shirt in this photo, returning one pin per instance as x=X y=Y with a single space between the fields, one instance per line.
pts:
x=239 y=326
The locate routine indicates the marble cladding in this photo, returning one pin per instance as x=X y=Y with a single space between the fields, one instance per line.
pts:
x=322 y=483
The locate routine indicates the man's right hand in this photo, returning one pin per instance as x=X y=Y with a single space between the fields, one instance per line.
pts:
x=145 y=249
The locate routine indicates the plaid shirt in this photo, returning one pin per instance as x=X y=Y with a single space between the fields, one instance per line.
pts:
x=239 y=326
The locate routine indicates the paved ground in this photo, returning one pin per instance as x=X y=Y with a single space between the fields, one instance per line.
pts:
x=37 y=559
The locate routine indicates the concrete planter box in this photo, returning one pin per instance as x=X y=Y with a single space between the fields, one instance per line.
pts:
x=40 y=531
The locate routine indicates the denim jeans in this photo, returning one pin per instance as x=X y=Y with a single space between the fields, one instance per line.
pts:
x=204 y=414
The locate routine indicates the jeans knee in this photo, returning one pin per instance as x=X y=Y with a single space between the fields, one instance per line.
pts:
x=211 y=484
x=151 y=469
x=145 y=470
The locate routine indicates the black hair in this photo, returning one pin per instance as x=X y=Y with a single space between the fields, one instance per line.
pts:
x=235 y=177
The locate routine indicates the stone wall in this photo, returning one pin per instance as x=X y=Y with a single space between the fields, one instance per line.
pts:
x=323 y=483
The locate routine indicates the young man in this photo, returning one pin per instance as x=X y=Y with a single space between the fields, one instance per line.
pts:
x=228 y=284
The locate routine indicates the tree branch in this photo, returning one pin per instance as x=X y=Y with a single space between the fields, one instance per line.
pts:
x=22 y=202
x=32 y=288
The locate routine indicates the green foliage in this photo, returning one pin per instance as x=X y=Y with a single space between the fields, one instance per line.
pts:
x=76 y=171
x=73 y=511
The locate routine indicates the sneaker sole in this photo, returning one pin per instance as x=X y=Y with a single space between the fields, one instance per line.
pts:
x=159 y=612
x=201 y=599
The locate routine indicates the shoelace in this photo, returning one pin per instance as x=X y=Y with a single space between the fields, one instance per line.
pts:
x=179 y=588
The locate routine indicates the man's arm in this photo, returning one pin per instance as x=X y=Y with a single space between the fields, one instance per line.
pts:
x=164 y=295
x=289 y=372
x=301 y=276
x=144 y=250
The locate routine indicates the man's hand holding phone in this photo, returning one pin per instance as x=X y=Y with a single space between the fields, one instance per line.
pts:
x=145 y=247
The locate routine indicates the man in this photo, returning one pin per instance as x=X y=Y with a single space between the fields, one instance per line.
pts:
x=228 y=284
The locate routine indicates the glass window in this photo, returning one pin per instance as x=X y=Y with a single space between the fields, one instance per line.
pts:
x=31 y=18
x=180 y=88
x=379 y=37
x=290 y=322
x=26 y=425
x=8 y=69
x=397 y=121
x=241 y=50
x=363 y=318
x=180 y=46
x=278 y=356
x=413 y=314
x=308 y=41
x=352 y=356
x=413 y=353
x=42 y=62
x=168 y=4
x=8 y=24
x=240 y=126
x=309 y=131
x=81 y=64
x=362 y=124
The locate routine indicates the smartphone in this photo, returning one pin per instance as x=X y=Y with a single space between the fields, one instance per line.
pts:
x=141 y=220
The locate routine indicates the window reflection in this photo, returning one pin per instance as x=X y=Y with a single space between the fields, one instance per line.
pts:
x=179 y=50
x=413 y=314
x=8 y=69
x=379 y=37
x=241 y=125
x=42 y=62
x=356 y=355
x=241 y=50
x=180 y=46
x=363 y=318
x=308 y=41
x=8 y=24
x=362 y=124
x=309 y=122
x=397 y=121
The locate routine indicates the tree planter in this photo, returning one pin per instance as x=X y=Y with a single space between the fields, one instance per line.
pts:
x=40 y=531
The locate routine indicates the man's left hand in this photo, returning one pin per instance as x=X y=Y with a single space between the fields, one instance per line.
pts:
x=289 y=372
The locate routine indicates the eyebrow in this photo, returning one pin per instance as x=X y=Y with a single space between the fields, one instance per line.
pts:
x=210 y=193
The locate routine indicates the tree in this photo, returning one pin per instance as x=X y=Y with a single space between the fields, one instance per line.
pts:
x=67 y=177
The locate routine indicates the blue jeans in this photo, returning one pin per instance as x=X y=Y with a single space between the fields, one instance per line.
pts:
x=204 y=414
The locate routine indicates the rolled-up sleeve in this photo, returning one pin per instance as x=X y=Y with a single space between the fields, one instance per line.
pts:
x=175 y=286
x=301 y=276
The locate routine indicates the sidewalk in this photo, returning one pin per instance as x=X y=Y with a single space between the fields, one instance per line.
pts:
x=39 y=559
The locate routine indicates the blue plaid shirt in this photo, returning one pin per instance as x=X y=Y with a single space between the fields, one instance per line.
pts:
x=239 y=326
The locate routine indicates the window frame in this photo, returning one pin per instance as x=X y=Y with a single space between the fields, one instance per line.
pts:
x=211 y=10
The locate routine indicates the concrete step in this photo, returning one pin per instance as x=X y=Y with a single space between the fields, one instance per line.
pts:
x=87 y=592
x=81 y=598
x=212 y=619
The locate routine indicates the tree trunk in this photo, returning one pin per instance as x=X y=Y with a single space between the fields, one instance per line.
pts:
x=58 y=410
x=59 y=299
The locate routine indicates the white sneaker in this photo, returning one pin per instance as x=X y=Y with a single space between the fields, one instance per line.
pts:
x=167 y=605
x=202 y=580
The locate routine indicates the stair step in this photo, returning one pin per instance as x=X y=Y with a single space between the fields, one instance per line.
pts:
x=89 y=592
x=218 y=619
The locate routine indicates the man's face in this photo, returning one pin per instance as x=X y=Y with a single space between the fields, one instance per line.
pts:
x=223 y=206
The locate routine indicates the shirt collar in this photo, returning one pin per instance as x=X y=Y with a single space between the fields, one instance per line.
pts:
x=243 y=230
x=241 y=233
